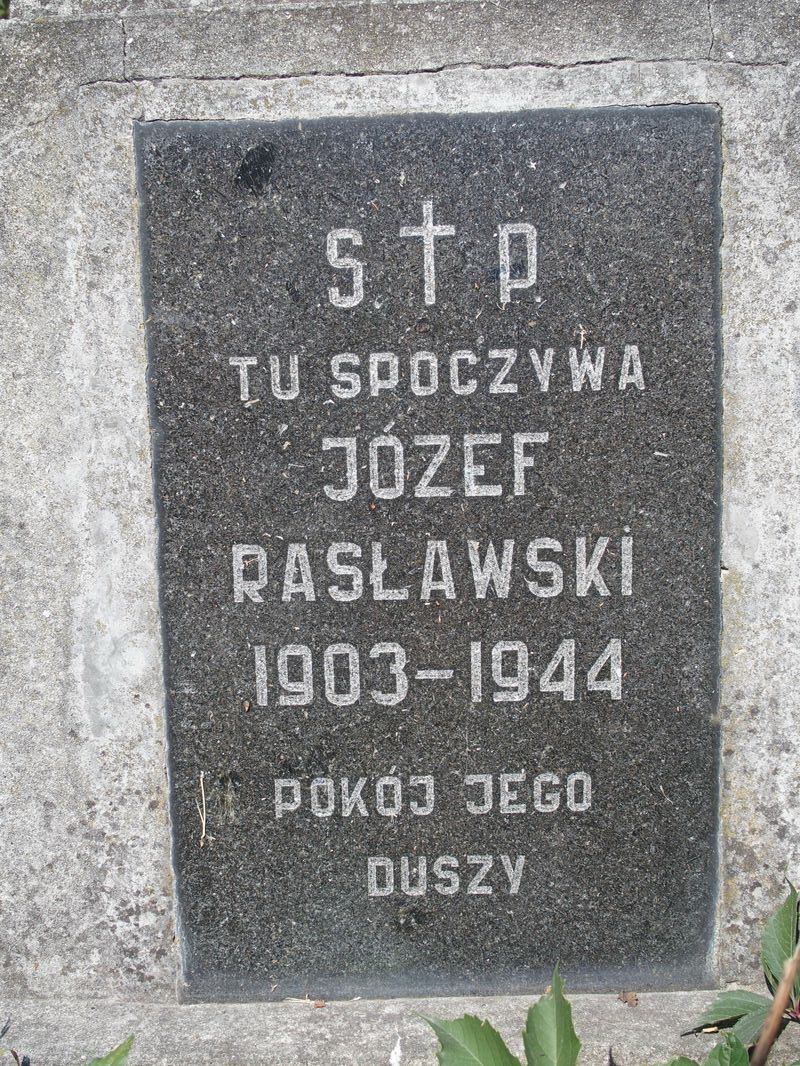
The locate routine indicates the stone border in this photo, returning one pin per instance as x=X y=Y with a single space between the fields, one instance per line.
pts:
x=84 y=815
x=354 y=1033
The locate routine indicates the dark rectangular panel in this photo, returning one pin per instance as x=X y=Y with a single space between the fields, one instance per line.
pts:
x=435 y=405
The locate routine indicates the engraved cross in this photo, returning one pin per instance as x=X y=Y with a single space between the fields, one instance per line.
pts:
x=428 y=232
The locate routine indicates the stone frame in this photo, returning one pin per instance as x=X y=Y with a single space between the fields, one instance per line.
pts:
x=90 y=948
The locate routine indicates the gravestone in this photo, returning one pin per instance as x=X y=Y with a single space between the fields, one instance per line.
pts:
x=435 y=404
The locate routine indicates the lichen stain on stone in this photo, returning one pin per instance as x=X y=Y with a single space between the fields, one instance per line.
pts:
x=255 y=170
x=734 y=608
x=734 y=425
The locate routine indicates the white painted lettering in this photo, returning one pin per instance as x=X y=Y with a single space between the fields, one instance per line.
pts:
x=505 y=231
x=428 y=232
x=345 y=262
x=244 y=555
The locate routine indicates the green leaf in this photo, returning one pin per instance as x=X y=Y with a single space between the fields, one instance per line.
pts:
x=779 y=940
x=468 y=1041
x=729 y=1052
x=549 y=1035
x=750 y=1025
x=117 y=1057
x=727 y=1008
x=681 y=1060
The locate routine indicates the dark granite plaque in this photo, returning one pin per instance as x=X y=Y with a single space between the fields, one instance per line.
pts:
x=435 y=406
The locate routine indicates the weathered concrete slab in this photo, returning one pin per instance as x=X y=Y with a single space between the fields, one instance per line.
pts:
x=36 y=9
x=83 y=792
x=360 y=1033
x=360 y=38
x=89 y=891
x=769 y=33
x=43 y=63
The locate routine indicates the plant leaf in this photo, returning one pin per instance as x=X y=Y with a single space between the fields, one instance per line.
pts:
x=468 y=1041
x=728 y=1007
x=750 y=1025
x=549 y=1035
x=681 y=1060
x=779 y=939
x=728 y=1052
x=117 y=1057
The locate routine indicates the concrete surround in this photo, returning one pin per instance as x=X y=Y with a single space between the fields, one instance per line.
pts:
x=89 y=950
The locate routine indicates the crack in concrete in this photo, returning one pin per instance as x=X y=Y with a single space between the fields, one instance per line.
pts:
x=710 y=28
x=124 y=50
x=160 y=79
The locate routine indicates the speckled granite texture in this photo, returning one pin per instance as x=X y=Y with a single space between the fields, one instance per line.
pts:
x=625 y=467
